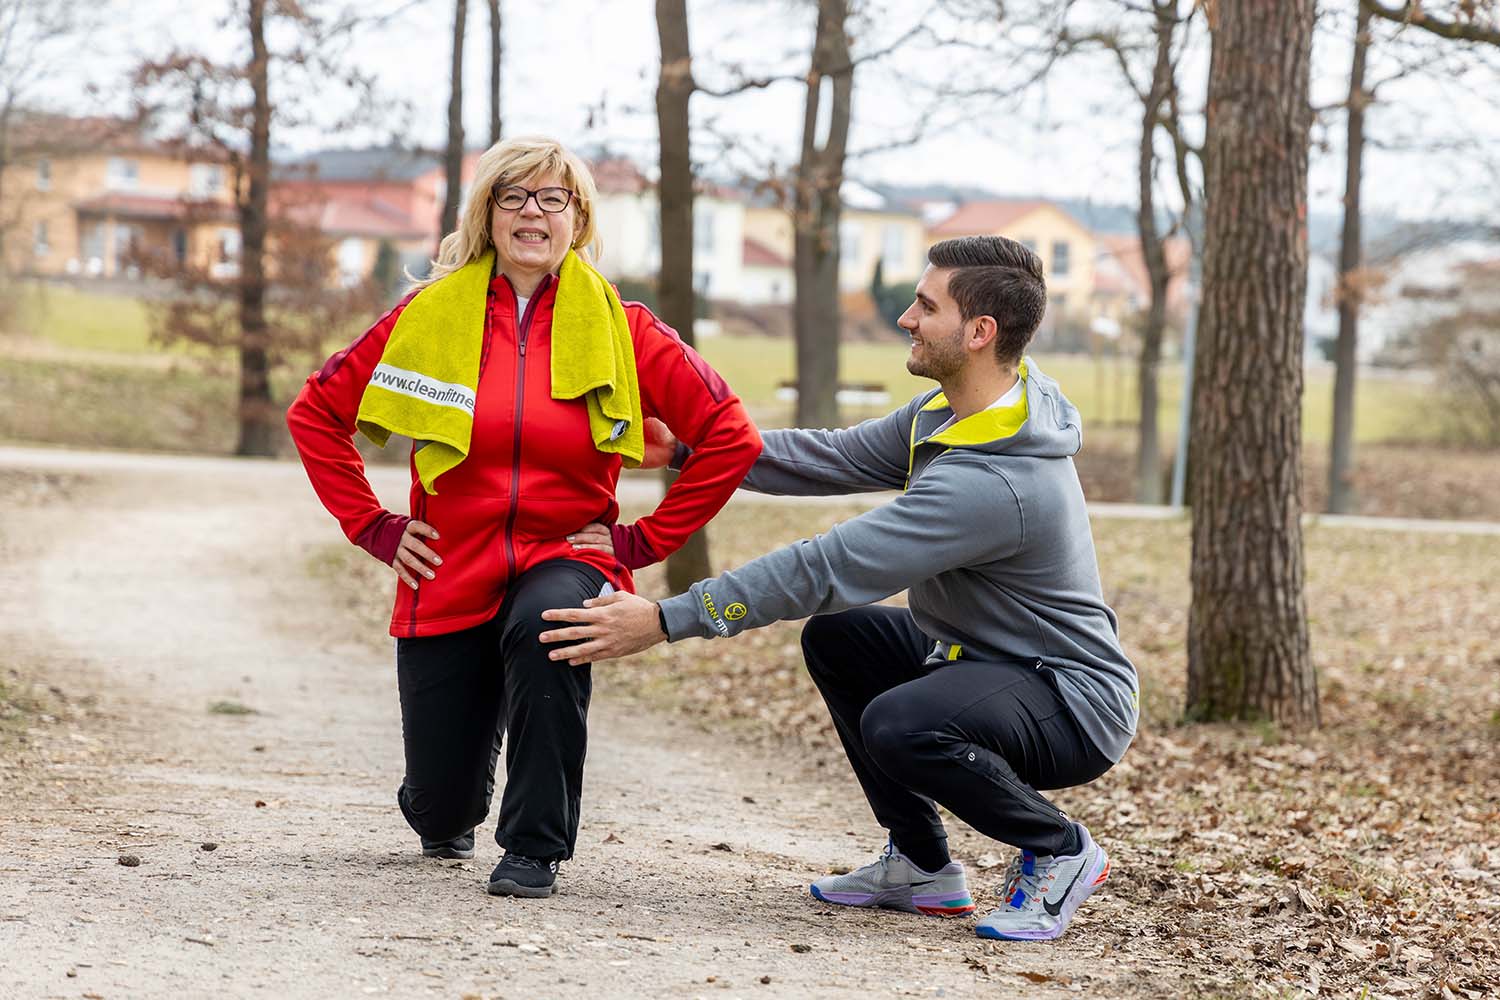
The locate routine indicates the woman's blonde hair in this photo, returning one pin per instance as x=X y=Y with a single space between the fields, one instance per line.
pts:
x=512 y=161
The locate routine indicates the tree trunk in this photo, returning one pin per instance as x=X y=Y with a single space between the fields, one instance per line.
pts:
x=1341 y=498
x=453 y=160
x=1148 y=483
x=495 y=50
x=1247 y=628
x=816 y=212
x=5 y=223
x=676 y=296
x=257 y=417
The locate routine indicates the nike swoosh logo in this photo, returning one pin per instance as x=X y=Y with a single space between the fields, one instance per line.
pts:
x=1055 y=910
x=915 y=885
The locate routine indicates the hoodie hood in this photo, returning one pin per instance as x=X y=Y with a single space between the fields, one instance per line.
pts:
x=1042 y=424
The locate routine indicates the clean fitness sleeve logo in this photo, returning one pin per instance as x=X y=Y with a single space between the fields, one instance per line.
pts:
x=419 y=386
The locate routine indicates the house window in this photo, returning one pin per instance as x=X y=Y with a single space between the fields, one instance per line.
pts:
x=229 y=246
x=1060 y=258
x=44 y=174
x=1029 y=242
x=892 y=248
x=849 y=240
x=205 y=179
x=40 y=244
x=653 y=242
x=351 y=257
x=703 y=229
x=121 y=174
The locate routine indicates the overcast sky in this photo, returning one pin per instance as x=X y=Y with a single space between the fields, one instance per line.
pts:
x=585 y=71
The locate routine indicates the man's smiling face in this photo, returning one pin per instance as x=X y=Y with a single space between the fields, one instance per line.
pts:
x=936 y=328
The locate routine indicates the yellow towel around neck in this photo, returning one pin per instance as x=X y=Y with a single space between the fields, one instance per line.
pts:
x=424 y=386
x=594 y=357
x=425 y=383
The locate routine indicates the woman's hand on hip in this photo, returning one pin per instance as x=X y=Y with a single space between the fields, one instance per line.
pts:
x=414 y=560
x=593 y=536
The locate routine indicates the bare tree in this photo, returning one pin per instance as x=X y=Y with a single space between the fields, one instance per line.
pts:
x=453 y=158
x=676 y=295
x=1341 y=498
x=226 y=109
x=1247 y=628
x=1159 y=110
x=256 y=411
x=1043 y=37
x=1462 y=20
x=817 y=207
x=495 y=53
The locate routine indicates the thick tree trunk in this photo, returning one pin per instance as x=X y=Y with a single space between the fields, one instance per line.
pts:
x=1148 y=482
x=495 y=52
x=1341 y=497
x=816 y=212
x=676 y=296
x=1247 y=628
x=453 y=159
x=257 y=416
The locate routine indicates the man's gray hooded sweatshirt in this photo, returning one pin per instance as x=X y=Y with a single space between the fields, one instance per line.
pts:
x=989 y=535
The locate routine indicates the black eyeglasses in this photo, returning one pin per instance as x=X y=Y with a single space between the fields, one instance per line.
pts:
x=549 y=199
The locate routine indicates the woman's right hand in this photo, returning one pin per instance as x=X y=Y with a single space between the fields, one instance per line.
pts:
x=413 y=558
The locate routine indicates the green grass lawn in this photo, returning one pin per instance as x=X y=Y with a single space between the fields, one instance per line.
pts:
x=81 y=320
x=86 y=322
x=1103 y=390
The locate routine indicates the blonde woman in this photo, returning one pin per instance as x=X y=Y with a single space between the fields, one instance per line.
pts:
x=525 y=384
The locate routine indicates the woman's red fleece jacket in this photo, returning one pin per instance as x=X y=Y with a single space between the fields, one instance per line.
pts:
x=532 y=474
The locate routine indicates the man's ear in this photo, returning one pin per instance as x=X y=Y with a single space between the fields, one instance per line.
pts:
x=982 y=333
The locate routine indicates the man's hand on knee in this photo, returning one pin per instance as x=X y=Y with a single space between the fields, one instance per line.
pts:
x=611 y=626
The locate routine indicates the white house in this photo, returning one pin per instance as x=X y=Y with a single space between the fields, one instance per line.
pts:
x=767 y=278
x=629 y=224
x=1409 y=293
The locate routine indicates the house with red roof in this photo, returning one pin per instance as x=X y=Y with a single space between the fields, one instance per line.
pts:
x=366 y=198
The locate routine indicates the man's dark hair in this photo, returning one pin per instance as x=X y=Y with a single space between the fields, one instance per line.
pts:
x=997 y=277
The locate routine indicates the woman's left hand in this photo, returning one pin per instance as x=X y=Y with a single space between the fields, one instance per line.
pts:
x=593 y=536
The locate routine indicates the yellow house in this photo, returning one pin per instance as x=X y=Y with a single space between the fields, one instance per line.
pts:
x=1066 y=246
x=94 y=196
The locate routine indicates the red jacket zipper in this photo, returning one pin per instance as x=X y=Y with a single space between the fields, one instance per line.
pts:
x=515 y=468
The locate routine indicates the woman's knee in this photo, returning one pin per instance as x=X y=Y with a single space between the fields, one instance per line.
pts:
x=441 y=813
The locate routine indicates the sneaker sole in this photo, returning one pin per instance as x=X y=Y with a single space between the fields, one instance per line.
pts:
x=447 y=854
x=895 y=899
x=507 y=887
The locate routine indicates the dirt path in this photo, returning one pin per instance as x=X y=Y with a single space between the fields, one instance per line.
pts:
x=147 y=590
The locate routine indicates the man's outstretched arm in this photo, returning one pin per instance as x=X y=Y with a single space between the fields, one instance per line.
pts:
x=868 y=457
x=941 y=523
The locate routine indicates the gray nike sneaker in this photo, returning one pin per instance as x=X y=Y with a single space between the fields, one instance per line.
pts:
x=891 y=881
x=1042 y=893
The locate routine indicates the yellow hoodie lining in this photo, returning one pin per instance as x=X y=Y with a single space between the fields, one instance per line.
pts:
x=975 y=429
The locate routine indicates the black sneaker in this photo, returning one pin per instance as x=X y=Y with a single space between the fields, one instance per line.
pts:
x=518 y=875
x=459 y=848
